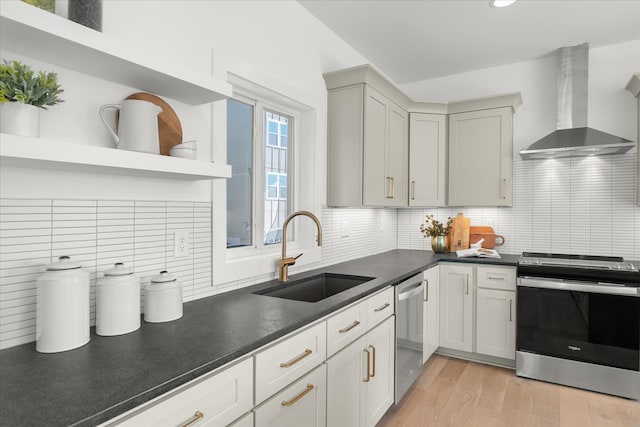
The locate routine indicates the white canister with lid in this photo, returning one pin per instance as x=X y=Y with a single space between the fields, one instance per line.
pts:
x=62 y=306
x=163 y=298
x=117 y=301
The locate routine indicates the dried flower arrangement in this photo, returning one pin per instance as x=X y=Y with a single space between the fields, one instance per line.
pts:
x=432 y=227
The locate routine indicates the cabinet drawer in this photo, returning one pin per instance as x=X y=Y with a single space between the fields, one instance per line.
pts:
x=278 y=366
x=304 y=403
x=379 y=307
x=217 y=400
x=497 y=278
x=345 y=327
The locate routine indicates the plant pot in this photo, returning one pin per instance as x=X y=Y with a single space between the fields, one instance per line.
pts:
x=439 y=244
x=86 y=12
x=17 y=118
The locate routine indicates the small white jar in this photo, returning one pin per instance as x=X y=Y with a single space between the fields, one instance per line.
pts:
x=162 y=299
x=62 y=307
x=117 y=302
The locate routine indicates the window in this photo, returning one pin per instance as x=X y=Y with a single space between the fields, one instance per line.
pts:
x=259 y=141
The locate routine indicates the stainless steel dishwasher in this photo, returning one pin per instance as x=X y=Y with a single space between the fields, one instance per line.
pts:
x=409 y=335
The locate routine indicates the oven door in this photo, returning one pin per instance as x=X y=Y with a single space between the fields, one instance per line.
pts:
x=579 y=322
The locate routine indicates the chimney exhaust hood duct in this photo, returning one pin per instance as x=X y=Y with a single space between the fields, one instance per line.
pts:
x=573 y=138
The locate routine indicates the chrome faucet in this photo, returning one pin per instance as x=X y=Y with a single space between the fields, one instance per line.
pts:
x=284 y=263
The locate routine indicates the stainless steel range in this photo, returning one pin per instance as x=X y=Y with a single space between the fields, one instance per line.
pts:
x=578 y=322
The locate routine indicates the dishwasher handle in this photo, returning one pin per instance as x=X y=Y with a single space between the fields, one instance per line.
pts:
x=411 y=292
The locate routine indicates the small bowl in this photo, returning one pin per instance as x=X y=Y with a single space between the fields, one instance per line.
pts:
x=189 y=144
x=183 y=152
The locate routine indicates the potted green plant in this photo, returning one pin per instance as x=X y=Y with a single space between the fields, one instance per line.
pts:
x=23 y=93
x=437 y=231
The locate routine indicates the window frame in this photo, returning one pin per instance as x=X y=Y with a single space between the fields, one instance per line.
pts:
x=260 y=127
x=249 y=266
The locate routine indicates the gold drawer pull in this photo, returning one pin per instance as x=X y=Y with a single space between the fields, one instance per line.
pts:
x=348 y=328
x=382 y=307
x=292 y=362
x=495 y=278
x=196 y=417
x=299 y=396
x=373 y=352
x=366 y=380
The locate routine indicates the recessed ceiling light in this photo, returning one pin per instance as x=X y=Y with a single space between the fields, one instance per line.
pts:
x=501 y=3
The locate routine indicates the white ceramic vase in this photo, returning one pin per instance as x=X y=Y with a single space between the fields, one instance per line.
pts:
x=17 y=118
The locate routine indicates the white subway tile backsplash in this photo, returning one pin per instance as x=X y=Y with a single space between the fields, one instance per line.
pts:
x=33 y=233
x=579 y=205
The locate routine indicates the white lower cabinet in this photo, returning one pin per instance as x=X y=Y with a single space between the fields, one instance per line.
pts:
x=456 y=306
x=360 y=379
x=496 y=312
x=302 y=404
x=279 y=365
x=431 y=313
x=216 y=400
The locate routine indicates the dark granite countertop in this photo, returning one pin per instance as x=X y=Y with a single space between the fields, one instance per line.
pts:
x=111 y=375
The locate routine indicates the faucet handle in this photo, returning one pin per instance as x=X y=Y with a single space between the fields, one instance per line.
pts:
x=297 y=256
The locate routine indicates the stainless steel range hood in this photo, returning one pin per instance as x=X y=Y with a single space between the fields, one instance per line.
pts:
x=573 y=137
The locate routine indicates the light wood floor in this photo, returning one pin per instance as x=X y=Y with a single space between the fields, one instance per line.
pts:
x=452 y=392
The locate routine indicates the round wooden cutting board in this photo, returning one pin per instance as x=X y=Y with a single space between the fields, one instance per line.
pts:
x=169 y=127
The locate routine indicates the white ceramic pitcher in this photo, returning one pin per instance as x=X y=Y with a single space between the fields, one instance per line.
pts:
x=137 y=127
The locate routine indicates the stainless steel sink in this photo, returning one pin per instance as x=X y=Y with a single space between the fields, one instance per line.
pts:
x=315 y=288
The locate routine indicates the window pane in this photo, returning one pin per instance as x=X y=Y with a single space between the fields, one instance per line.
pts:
x=276 y=205
x=239 y=186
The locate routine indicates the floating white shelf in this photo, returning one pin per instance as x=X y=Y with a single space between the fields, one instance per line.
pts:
x=22 y=151
x=33 y=32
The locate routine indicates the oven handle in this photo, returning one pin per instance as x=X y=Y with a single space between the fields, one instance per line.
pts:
x=413 y=291
x=578 y=286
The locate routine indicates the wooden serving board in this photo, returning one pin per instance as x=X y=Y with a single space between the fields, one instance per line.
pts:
x=169 y=127
x=478 y=232
x=459 y=237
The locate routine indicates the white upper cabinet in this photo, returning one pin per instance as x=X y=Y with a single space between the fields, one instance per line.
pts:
x=368 y=131
x=634 y=87
x=481 y=158
x=427 y=159
x=33 y=32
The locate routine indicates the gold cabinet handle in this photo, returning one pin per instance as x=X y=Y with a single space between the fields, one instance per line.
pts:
x=503 y=189
x=495 y=278
x=510 y=310
x=196 y=417
x=366 y=380
x=466 y=283
x=348 y=328
x=295 y=360
x=390 y=188
x=413 y=190
x=426 y=289
x=299 y=396
x=382 y=307
x=373 y=353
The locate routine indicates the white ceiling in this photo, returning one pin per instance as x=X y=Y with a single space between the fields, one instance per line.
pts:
x=417 y=40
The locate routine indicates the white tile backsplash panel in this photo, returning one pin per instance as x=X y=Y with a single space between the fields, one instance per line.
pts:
x=25 y=250
x=370 y=231
x=582 y=205
x=34 y=233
